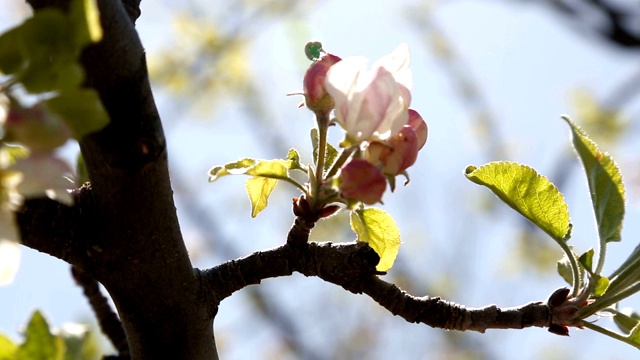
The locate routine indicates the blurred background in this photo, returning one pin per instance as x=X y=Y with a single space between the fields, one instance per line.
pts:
x=491 y=78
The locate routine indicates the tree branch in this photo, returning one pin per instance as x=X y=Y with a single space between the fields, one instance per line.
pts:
x=352 y=266
x=137 y=250
x=107 y=319
x=56 y=229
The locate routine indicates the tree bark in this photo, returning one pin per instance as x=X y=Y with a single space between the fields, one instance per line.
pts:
x=124 y=231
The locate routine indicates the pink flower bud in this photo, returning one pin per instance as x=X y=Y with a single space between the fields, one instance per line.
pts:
x=420 y=126
x=362 y=181
x=35 y=127
x=315 y=93
x=397 y=153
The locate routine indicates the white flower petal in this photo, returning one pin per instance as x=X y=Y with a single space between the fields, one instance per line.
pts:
x=398 y=64
x=9 y=260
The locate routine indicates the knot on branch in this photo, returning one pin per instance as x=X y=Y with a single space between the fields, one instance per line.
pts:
x=299 y=233
x=347 y=265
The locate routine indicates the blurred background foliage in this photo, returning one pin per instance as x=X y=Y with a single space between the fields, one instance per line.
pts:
x=221 y=70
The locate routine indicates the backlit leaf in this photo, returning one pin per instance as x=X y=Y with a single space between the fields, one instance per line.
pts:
x=379 y=230
x=634 y=336
x=626 y=320
x=85 y=19
x=81 y=110
x=7 y=348
x=259 y=189
x=11 y=58
x=527 y=192
x=605 y=185
x=39 y=342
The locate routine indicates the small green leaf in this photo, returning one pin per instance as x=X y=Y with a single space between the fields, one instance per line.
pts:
x=605 y=185
x=586 y=260
x=294 y=157
x=43 y=76
x=331 y=154
x=39 y=342
x=527 y=192
x=81 y=110
x=80 y=342
x=82 y=175
x=601 y=286
x=259 y=189
x=564 y=269
x=235 y=168
x=273 y=169
x=11 y=58
x=634 y=335
x=626 y=320
x=379 y=230
x=7 y=348
x=85 y=19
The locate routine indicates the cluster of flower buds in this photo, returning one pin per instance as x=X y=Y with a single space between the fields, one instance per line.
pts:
x=372 y=106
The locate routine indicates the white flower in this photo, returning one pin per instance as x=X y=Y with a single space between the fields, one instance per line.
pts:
x=371 y=104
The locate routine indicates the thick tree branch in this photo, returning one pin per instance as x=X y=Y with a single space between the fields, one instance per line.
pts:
x=352 y=266
x=138 y=253
x=107 y=319
x=56 y=229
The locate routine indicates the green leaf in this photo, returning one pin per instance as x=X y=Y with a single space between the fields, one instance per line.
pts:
x=7 y=348
x=39 y=342
x=605 y=185
x=44 y=76
x=601 y=286
x=80 y=342
x=586 y=260
x=331 y=154
x=11 y=58
x=85 y=19
x=82 y=175
x=634 y=336
x=564 y=269
x=294 y=157
x=379 y=230
x=527 y=192
x=81 y=110
x=626 y=321
x=259 y=189
x=273 y=169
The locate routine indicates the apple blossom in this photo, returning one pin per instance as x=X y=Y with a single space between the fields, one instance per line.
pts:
x=44 y=174
x=395 y=154
x=35 y=127
x=362 y=181
x=420 y=126
x=371 y=104
x=315 y=92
